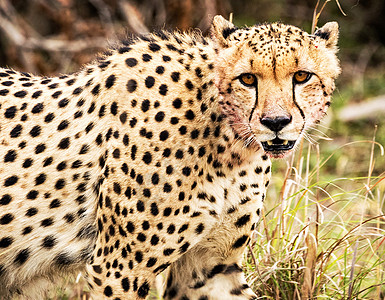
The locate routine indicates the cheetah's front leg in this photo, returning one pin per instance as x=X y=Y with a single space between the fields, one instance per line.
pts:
x=212 y=268
x=200 y=275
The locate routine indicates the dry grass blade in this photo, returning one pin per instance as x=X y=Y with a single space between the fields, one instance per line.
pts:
x=316 y=14
x=311 y=259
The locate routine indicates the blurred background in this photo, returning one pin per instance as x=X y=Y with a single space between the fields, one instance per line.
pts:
x=333 y=195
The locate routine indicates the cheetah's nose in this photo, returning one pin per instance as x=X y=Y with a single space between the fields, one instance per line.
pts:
x=276 y=123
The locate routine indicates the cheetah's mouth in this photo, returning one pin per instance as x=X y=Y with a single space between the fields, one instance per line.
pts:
x=277 y=146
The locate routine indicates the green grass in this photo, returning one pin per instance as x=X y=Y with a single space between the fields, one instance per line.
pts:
x=321 y=238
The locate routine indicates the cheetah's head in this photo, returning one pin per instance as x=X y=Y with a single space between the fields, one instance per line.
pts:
x=274 y=80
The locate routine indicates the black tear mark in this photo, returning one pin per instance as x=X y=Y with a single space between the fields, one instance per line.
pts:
x=227 y=31
x=256 y=102
x=295 y=101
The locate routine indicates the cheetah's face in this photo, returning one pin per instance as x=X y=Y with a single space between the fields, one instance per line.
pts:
x=274 y=81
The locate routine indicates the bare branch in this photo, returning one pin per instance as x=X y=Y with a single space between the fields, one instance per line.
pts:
x=54 y=45
x=365 y=110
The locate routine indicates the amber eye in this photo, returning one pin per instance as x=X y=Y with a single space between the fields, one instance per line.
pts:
x=248 y=79
x=302 y=76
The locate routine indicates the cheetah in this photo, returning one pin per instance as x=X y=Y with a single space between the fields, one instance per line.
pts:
x=155 y=156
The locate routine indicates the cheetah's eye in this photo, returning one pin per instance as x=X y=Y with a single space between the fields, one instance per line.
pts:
x=302 y=76
x=248 y=79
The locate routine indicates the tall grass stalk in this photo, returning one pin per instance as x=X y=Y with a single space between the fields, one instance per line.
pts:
x=320 y=239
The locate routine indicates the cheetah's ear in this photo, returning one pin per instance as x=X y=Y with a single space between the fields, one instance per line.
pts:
x=329 y=33
x=221 y=29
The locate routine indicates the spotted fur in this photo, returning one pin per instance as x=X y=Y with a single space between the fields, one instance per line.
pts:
x=150 y=158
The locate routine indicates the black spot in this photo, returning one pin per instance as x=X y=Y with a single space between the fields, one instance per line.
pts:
x=189 y=85
x=49 y=242
x=182 y=130
x=189 y=114
x=141 y=237
x=175 y=76
x=198 y=72
x=242 y=221
x=179 y=154
x=167 y=188
x=56 y=94
x=146 y=57
x=124 y=50
x=147 y=157
x=7 y=83
x=108 y=291
x=168 y=251
x=95 y=91
x=64 y=143
x=154 y=47
x=163 y=89
x=38 y=108
x=166 y=58
x=131 y=85
x=177 y=103
x=5 y=199
x=35 y=131
x=55 y=203
x=47 y=222
x=138 y=256
x=10 y=112
x=163 y=135
x=151 y=262
x=102 y=111
x=240 y=241
x=125 y=284
x=130 y=227
x=22 y=256
x=110 y=81
x=171 y=229
x=16 y=131
x=159 y=70
x=20 y=94
x=114 y=108
x=32 y=195
x=149 y=82
x=143 y=290
x=145 y=105
x=159 y=116
x=131 y=62
x=166 y=152
x=199 y=229
x=184 y=247
x=140 y=206
x=186 y=171
x=216 y=270
x=63 y=125
x=6 y=242
x=49 y=117
x=194 y=134
x=60 y=183
x=63 y=103
x=11 y=180
x=84 y=149
x=10 y=156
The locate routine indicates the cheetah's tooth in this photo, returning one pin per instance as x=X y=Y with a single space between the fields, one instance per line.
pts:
x=270 y=143
x=285 y=142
